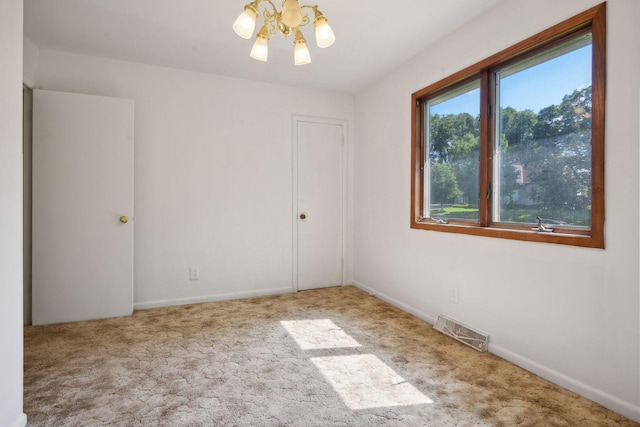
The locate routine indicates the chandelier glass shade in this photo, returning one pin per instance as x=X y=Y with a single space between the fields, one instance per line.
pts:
x=287 y=22
x=260 y=49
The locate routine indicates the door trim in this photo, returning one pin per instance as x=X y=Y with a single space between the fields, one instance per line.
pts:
x=27 y=119
x=294 y=171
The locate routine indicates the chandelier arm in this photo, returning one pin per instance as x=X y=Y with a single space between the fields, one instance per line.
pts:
x=317 y=14
x=270 y=17
x=273 y=6
x=305 y=19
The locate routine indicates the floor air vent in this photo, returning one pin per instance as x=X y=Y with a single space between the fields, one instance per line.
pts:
x=462 y=333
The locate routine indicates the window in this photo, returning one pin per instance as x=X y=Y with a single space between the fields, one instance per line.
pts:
x=513 y=147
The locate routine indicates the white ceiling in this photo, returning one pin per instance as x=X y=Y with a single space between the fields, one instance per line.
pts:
x=373 y=37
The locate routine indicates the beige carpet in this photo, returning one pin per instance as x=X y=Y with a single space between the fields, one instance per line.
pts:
x=332 y=357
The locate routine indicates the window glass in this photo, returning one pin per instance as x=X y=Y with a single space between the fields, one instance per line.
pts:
x=452 y=161
x=542 y=146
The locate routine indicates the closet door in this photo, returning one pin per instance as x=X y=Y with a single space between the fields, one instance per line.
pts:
x=82 y=207
x=321 y=201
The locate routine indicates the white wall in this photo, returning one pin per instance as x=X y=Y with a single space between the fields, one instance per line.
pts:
x=11 y=213
x=213 y=176
x=570 y=314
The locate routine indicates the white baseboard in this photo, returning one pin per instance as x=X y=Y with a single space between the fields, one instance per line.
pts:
x=394 y=302
x=607 y=400
x=21 y=421
x=210 y=298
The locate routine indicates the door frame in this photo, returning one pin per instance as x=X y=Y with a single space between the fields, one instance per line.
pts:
x=325 y=121
x=27 y=119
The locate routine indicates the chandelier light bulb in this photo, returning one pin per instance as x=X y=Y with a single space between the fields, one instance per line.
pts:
x=260 y=50
x=301 y=53
x=291 y=13
x=324 y=33
x=246 y=22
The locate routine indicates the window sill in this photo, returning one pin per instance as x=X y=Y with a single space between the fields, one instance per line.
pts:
x=582 y=240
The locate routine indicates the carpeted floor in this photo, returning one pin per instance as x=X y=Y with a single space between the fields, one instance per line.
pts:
x=330 y=357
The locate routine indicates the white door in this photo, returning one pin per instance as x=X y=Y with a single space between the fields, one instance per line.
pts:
x=82 y=186
x=320 y=190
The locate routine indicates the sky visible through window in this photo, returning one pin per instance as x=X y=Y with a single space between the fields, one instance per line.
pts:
x=532 y=88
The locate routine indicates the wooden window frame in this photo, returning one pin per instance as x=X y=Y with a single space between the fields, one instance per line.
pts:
x=593 y=20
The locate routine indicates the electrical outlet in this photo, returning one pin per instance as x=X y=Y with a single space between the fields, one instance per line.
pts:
x=194 y=273
x=453 y=294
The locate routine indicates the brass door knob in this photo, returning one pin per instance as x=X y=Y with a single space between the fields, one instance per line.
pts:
x=124 y=219
x=302 y=216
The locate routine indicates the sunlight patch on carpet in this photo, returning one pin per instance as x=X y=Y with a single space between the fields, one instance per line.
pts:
x=364 y=382
x=318 y=334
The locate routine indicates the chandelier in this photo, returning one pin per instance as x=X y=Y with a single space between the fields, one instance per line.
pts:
x=288 y=22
